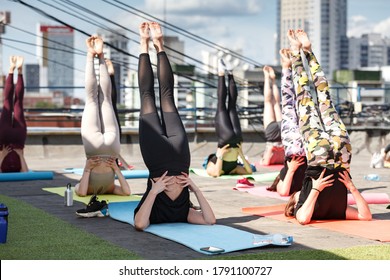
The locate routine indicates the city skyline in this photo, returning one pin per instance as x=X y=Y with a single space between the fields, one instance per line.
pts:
x=221 y=22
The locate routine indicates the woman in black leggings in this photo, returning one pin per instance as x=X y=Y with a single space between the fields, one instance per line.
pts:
x=164 y=146
x=228 y=129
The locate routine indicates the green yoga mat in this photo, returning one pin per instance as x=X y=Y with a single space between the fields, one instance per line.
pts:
x=85 y=199
x=258 y=177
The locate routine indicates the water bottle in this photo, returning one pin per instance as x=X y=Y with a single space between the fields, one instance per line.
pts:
x=280 y=239
x=68 y=197
x=372 y=177
x=3 y=223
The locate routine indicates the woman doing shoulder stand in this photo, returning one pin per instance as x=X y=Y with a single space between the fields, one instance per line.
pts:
x=327 y=144
x=164 y=146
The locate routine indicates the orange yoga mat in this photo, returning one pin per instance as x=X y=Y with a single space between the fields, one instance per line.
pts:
x=375 y=229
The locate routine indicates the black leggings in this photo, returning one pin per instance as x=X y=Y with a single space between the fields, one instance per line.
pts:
x=227 y=124
x=164 y=143
x=114 y=100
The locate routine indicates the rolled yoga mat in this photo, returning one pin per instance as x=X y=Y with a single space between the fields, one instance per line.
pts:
x=26 y=176
x=200 y=236
x=128 y=174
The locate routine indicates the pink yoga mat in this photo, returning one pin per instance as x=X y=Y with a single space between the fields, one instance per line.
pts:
x=277 y=167
x=371 y=198
x=375 y=229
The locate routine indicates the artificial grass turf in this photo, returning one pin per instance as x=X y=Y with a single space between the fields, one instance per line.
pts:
x=36 y=235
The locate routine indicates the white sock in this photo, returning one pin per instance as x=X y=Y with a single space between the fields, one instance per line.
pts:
x=221 y=66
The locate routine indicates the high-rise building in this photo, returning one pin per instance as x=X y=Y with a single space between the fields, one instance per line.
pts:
x=370 y=50
x=325 y=22
x=55 y=53
x=31 y=77
x=120 y=60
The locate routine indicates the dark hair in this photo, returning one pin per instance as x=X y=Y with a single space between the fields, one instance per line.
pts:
x=11 y=163
x=272 y=188
x=290 y=206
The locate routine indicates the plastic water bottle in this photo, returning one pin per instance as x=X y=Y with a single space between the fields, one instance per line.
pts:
x=372 y=177
x=68 y=197
x=3 y=223
x=281 y=239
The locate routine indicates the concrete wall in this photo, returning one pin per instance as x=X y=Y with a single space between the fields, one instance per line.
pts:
x=202 y=143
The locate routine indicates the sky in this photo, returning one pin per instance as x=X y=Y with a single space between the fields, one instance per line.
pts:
x=247 y=25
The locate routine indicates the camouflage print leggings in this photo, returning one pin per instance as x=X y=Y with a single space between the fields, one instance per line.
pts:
x=291 y=135
x=326 y=139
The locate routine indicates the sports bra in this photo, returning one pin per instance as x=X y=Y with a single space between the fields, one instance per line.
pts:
x=227 y=166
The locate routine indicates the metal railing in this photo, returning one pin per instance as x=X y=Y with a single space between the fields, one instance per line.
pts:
x=251 y=116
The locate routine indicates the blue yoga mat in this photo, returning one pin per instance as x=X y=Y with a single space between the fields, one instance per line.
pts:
x=199 y=236
x=26 y=176
x=128 y=174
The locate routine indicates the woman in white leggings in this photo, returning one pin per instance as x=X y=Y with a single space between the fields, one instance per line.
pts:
x=99 y=130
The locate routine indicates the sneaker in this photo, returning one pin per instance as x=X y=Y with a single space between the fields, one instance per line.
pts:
x=244 y=183
x=95 y=208
x=376 y=161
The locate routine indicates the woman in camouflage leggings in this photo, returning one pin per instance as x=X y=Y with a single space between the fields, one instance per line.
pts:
x=291 y=175
x=328 y=150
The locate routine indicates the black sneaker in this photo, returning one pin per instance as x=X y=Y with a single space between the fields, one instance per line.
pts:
x=95 y=208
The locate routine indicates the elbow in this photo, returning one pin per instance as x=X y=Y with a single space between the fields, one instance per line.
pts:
x=284 y=193
x=212 y=221
x=366 y=217
x=80 y=193
x=212 y=173
x=127 y=192
x=303 y=220
x=139 y=226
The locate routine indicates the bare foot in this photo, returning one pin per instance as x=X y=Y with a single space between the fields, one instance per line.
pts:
x=98 y=45
x=157 y=35
x=302 y=37
x=19 y=63
x=145 y=36
x=285 y=58
x=90 y=45
x=271 y=73
x=266 y=71
x=294 y=43
x=110 y=67
x=12 y=63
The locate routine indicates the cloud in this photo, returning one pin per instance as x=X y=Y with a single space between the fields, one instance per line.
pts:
x=358 y=25
x=205 y=7
x=383 y=27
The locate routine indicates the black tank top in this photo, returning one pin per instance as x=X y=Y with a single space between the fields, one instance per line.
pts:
x=331 y=202
x=166 y=210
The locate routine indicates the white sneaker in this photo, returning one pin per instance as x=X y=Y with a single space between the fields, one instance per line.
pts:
x=376 y=161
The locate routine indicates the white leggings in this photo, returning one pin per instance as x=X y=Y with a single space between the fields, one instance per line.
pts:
x=99 y=128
